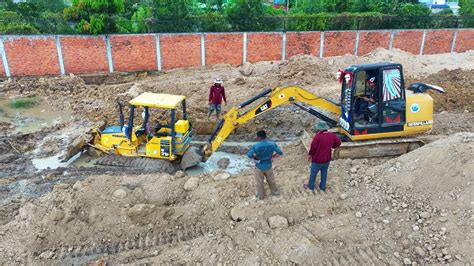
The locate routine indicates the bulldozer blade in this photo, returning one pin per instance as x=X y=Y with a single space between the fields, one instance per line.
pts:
x=192 y=157
x=77 y=146
x=203 y=126
x=83 y=140
x=370 y=148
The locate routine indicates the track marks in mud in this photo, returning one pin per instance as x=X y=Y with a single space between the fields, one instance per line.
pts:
x=359 y=256
x=140 y=241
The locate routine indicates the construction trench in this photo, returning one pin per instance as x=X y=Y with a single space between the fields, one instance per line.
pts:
x=415 y=208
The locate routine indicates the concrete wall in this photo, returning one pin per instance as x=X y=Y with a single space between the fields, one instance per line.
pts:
x=60 y=55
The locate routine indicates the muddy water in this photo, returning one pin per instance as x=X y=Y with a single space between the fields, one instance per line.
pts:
x=53 y=162
x=32 y=119
x=237 y=164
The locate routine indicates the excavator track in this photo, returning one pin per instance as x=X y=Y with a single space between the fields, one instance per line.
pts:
x=377 y=148
x=371 y=148
x=142 y=163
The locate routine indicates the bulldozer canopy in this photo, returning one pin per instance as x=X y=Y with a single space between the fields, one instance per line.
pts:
x=158 y=100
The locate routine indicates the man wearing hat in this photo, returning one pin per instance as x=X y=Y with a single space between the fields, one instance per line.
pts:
x=320 y=154
x=216 y=94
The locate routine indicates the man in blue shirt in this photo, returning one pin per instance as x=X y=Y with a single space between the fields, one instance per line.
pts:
x=263 y=153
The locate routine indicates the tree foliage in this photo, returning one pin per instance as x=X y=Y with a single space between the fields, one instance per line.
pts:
x=142 y=16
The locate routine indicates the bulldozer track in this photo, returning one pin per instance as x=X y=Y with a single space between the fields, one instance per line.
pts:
x=140 y=241
x=360 y=256
x=137 y=163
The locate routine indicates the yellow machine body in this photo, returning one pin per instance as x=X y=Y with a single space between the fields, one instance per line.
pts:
x=167 y=142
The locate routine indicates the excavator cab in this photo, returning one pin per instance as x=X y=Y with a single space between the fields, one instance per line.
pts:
x=374 y=103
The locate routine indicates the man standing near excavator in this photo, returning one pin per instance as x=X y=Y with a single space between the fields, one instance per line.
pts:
x=216 y=94
x=320 y=154
x=263 y=153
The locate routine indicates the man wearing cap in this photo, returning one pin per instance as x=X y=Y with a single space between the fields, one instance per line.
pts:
x=263 y=153
x=320 y=154
x=216 y=94
x=362 y=103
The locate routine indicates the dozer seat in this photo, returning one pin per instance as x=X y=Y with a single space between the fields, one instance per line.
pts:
x=111 y=130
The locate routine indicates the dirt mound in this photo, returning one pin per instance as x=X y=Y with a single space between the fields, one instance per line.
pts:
x=436 y=183
x=436 y=168
x=458 y=84
x=109 y=206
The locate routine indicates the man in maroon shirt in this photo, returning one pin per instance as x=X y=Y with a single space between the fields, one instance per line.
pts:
x=320 y=154
x=216 y=94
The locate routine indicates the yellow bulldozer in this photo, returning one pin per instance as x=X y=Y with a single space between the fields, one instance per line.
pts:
x=380 y=127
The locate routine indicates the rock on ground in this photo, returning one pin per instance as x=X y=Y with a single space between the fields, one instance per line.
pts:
x=191 y=184
x=222 y=176
x=223 y=163
x=277 y=222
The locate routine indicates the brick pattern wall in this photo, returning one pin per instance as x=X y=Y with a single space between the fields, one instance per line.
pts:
x=38 y=55
x=438 y=41
x=2 y=70
x=180 y=50
x=32 y=56
x=133 y=52
x=339 y=43
x=408 y=41
x=371 y=40
x=84 y=55
x=264 y=47
x=224 y=48
x=464 y=41
x=302 y=43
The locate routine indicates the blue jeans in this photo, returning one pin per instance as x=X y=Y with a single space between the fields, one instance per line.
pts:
x=360 y=106
x=315 y=168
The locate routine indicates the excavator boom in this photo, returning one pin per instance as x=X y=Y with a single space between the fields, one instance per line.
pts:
x=270 y=99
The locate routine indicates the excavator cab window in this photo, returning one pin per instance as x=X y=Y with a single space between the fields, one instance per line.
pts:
x=366 y=98
x=393 y=96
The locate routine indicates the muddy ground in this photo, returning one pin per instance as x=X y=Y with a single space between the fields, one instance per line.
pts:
x=375 y=211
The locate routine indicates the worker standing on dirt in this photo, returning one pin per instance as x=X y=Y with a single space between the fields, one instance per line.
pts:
x=263 y=153
x=216 y=94
x=320 y=154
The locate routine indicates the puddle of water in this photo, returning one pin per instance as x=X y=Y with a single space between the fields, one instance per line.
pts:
x=52 y=162
x=32 y=119
x=237 y=164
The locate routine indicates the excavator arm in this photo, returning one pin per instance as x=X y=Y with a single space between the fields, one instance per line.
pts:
x=269 y=99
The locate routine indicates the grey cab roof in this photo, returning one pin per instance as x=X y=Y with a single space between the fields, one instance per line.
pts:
x=373 y=66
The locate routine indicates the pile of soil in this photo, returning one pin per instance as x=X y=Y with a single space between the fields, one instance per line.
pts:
x=425 y=199
x=458 y=84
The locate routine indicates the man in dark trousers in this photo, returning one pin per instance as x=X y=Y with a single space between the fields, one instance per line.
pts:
x=320 y=154
x=263 y=153
x=216 y=94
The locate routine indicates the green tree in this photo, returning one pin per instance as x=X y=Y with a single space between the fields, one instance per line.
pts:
x=413 y=16
x=140 y=19
x=467 y=11
x=95 y=16
x=466 y=7
x=172 y=16
x=252 y=15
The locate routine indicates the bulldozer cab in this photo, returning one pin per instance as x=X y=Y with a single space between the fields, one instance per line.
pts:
x=166 y=139
x=372 y=99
